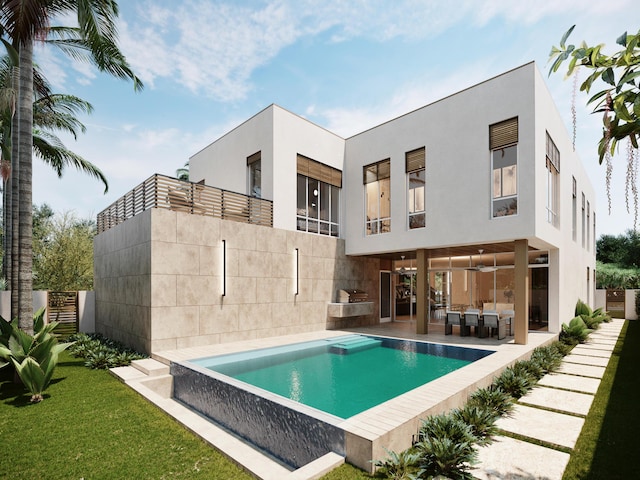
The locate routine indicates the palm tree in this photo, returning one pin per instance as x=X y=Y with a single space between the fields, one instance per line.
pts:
x=94 y=40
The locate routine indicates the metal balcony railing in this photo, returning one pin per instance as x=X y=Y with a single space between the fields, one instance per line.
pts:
x=160 y=191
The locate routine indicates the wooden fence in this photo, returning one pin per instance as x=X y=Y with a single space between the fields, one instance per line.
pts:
x=62 y=307
x=160 y=191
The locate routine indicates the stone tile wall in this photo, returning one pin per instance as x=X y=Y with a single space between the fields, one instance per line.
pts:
x=159 y=281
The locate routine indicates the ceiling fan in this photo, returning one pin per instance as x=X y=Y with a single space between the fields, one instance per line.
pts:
x=480 y=267
x=401 y=270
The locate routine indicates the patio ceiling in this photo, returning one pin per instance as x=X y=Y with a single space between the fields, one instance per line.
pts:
x=457 y=251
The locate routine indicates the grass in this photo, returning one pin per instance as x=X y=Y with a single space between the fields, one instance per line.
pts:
x=92 y=426
x=608 y=445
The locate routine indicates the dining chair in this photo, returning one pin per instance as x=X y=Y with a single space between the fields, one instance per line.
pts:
x=492 y=320
x=472 y=319
x=508 y=316
x=454 y=318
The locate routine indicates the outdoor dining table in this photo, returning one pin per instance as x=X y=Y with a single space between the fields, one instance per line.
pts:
x=480 y=329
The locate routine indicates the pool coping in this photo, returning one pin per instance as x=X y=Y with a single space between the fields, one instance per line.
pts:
x=391 y=425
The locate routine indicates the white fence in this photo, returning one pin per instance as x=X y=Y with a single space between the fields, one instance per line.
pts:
x=86 y=307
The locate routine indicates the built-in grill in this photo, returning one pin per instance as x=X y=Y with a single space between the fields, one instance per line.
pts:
x=352 y=296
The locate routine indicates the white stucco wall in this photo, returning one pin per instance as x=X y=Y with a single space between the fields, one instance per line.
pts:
x=455 y=132
x=280 y=136
x=223 y=163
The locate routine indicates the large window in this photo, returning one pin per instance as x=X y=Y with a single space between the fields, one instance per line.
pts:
x=553 y=173
x=318 y=198
x=254 y=165
x=377 y=190
x=584 y=221
x=574 y=210
x=503 y=143
x=415 y=167
x=588 y=224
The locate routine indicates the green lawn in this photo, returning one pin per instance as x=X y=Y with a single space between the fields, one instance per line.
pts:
x=92 y=426
x=609 y=442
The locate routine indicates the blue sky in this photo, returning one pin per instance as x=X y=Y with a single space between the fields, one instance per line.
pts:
x=345 y=65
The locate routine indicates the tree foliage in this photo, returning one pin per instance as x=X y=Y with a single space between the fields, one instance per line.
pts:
x=623 y=249
x=63 y=253
x=617 y=78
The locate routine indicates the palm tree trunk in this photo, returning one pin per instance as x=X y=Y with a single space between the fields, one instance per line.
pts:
x=25 y=219
x=15 y=169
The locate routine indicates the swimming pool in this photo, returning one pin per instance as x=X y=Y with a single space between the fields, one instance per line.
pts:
x=289 y=430
x=346 y=375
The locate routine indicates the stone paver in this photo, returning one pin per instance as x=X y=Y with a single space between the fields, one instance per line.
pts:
x=571 y=402
x=590 y=351
x=544 y=425
x=586 y=360
x=511 y=459
x=583 y=370
x=570 y=382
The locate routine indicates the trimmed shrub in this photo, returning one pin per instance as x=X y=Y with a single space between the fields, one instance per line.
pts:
x=515 y=383
x=447 y=448
x=493 y=398
x=481 y=419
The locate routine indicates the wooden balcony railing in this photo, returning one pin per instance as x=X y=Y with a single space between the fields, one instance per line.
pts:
x=160 y=191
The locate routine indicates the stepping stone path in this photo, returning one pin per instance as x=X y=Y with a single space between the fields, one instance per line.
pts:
x=569 y=392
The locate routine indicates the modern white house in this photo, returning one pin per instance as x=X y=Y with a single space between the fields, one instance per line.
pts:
x=475 y=200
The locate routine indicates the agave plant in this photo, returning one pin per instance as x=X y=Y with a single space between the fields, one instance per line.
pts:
x=547 y=358
x=33 y=356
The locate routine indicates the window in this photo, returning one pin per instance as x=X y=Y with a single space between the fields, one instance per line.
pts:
x=588 y=224
x=583 y=221
x=255 y=174
x=415 y=168
x=553 y=171
x=594 y=231
x=318 y=197
x=503 y=143
x=574 y=210
x=377 y=191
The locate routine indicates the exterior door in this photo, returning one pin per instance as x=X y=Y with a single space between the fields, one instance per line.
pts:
x=385 y=296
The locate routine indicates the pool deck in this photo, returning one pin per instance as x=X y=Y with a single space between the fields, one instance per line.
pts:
x=388 y=426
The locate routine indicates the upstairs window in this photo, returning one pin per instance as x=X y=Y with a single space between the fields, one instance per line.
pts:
x=553 y=173
x=503 y=143
x=574 y=210
x=318 y=198
x=588 y=224
x=415 y=168
x=584 y=221
x=254 y=165
x=377 y=191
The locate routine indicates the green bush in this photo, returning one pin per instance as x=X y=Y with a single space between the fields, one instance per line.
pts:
x=102 y=353
x=481 y=419
x=547 y=358
x=494 y=398
x=399 y=466
x=576 y=332
x=515 y=383
x=34 y=357
x=447 y=448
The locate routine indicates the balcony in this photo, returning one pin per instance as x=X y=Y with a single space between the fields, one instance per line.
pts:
x=160 y=191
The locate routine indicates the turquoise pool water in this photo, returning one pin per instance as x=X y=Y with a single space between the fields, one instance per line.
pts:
x=346 y=375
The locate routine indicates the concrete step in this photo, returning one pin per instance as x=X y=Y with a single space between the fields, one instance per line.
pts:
x=151 y=367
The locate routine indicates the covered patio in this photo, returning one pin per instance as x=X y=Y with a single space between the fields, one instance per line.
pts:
x=420 y=286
